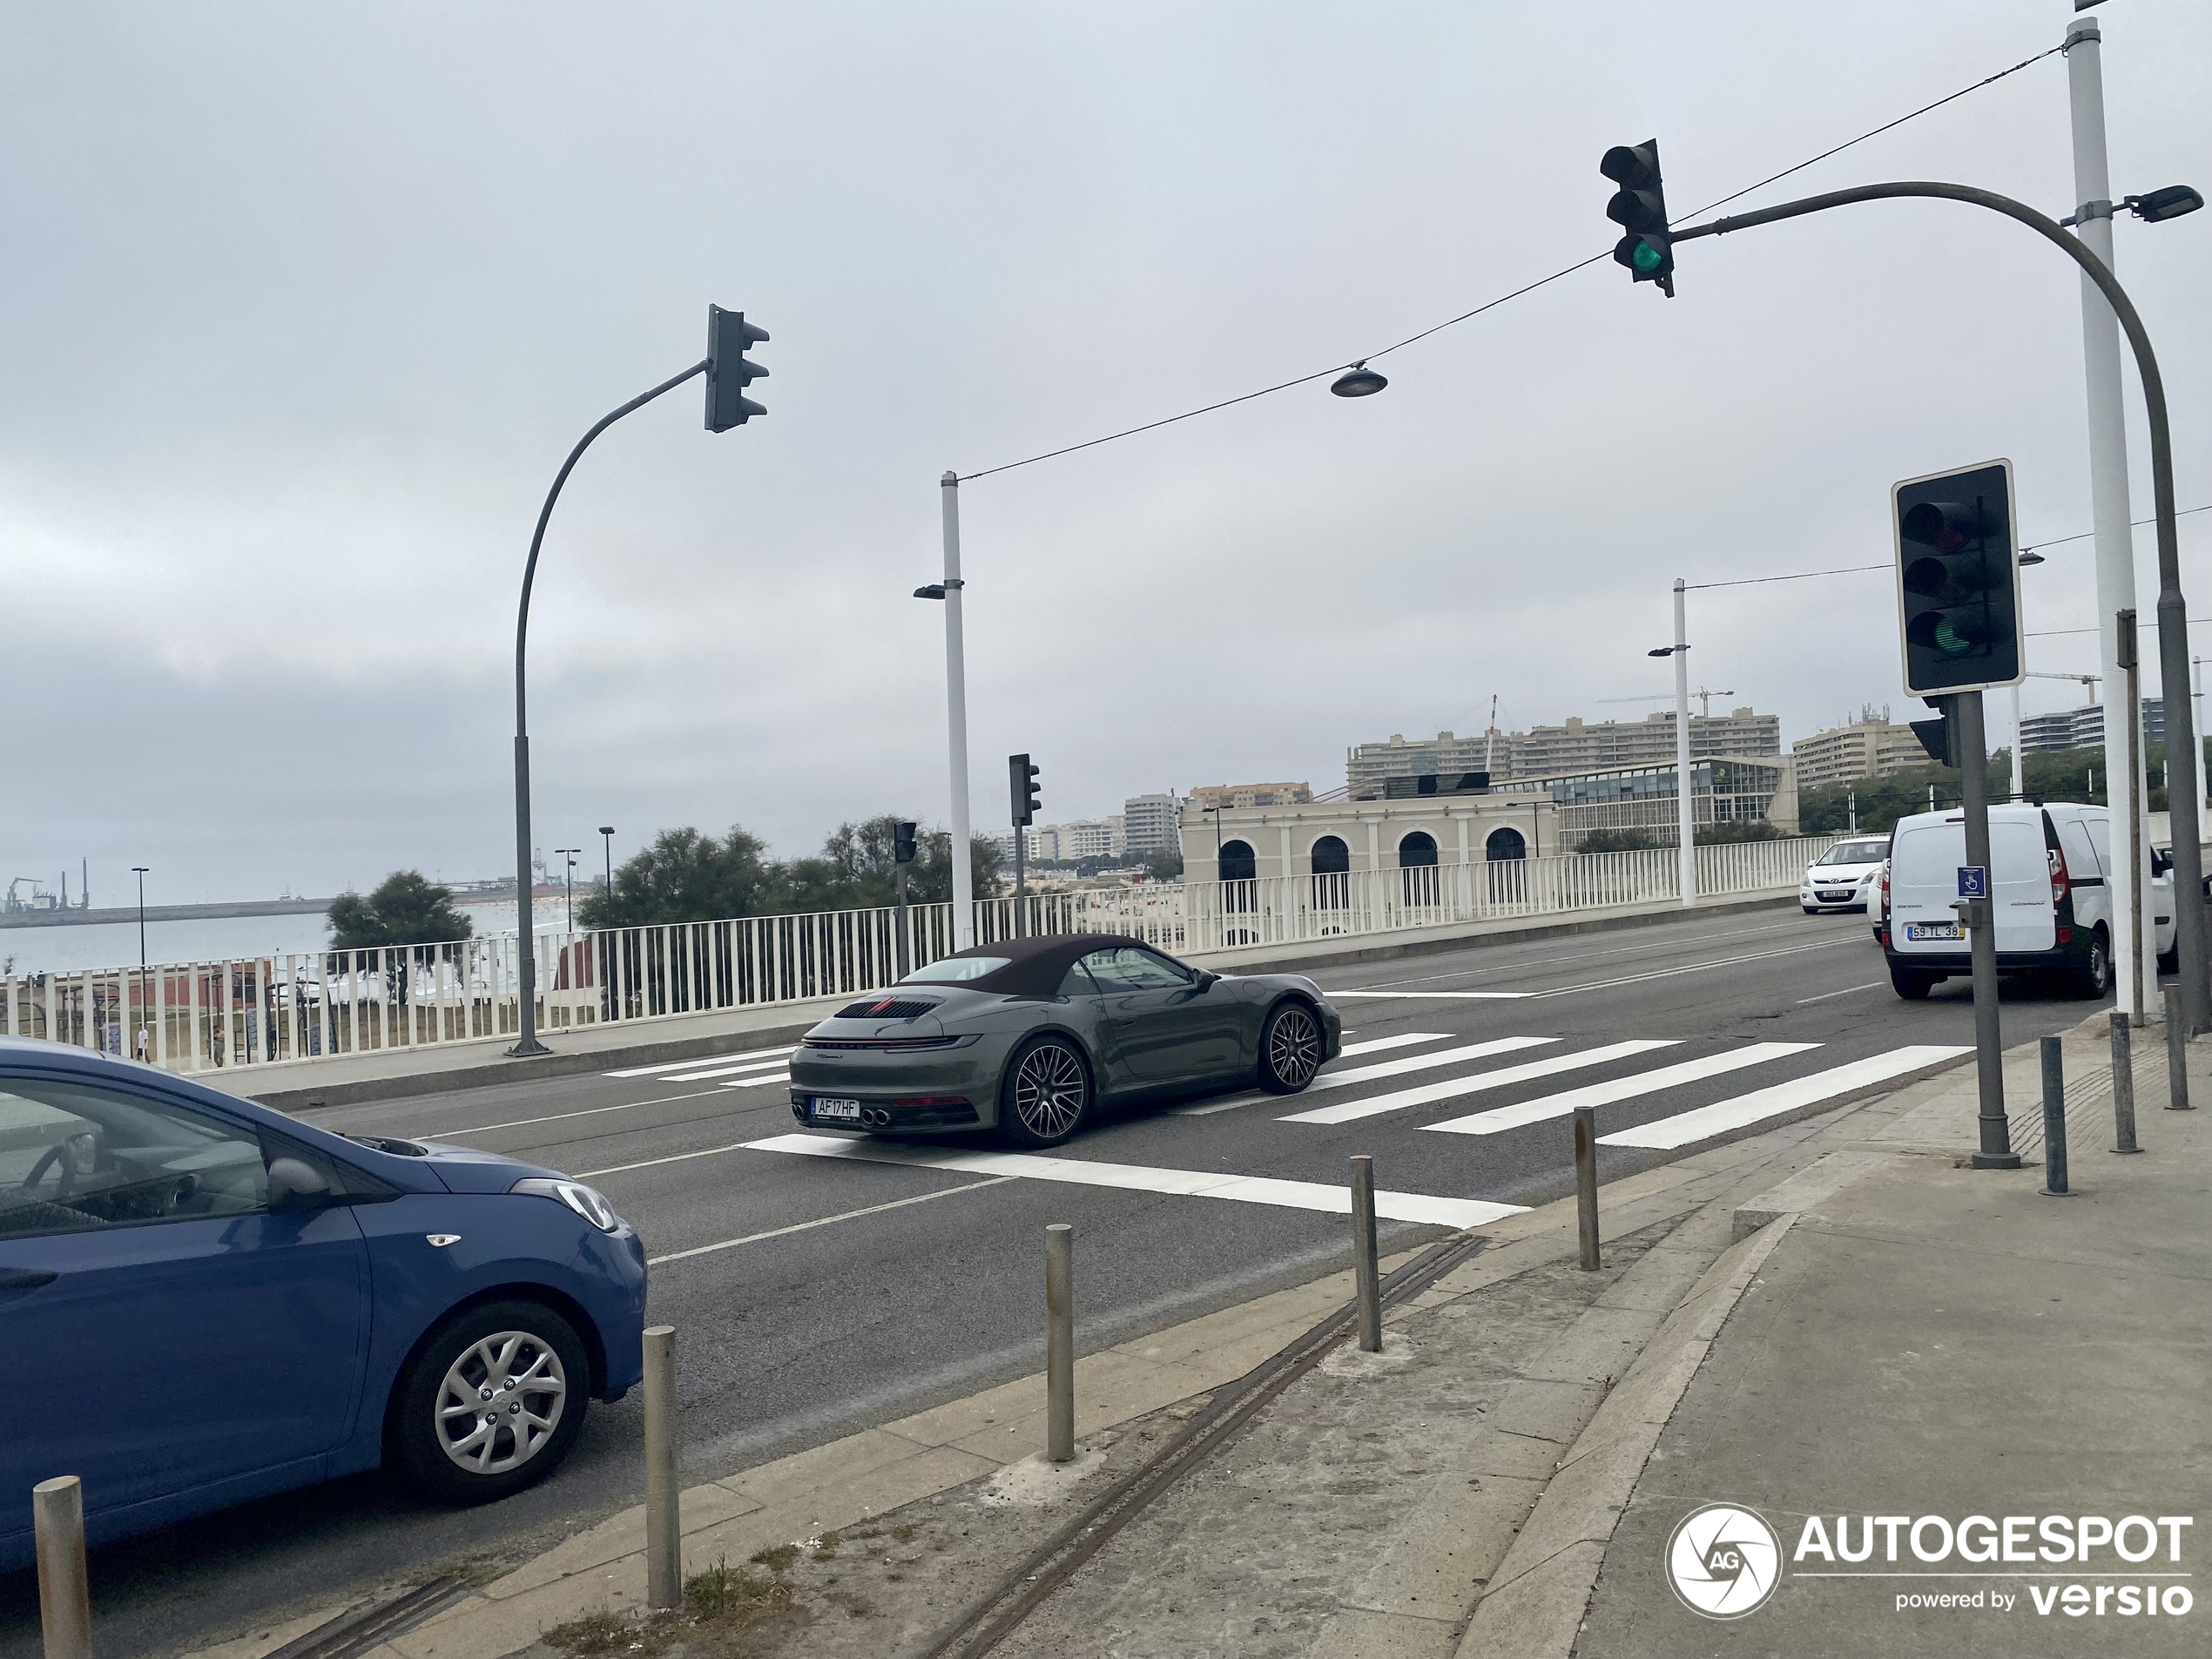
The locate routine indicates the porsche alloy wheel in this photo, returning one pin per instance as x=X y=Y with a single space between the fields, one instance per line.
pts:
x=1046 y=1092
x=1290 y=1049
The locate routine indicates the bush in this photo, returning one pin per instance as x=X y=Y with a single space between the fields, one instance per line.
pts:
x=1742 y=829
x=1616 y=840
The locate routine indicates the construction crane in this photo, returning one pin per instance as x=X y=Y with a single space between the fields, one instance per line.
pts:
x=1704 y=698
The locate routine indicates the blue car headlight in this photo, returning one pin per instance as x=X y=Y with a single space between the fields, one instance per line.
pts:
x=588 y=1201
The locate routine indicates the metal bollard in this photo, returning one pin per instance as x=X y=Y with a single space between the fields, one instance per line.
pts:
x=1366 y=1277
x=2053 y=1119
x=2177 y=1053
x=1060 y=1342
x=64 y=1594
x=1585 y=1185
x=2123 y=1085
x=663 y=1519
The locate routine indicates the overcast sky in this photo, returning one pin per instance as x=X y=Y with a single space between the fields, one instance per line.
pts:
x=305 y=305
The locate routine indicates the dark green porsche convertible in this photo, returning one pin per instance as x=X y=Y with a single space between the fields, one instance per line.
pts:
x=1030 y=1035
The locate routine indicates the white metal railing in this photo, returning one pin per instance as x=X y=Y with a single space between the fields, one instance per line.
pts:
x=300 y=1007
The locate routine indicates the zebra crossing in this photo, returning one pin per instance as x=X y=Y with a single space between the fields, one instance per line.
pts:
x=749 y=1070
x=1671 y=1132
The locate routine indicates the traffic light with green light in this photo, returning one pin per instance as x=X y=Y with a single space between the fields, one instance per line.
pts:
x=1958 y=580
x=1640 y=208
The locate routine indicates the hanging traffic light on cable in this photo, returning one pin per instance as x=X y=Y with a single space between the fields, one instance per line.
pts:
x=1958 y=580
x=1640 y=208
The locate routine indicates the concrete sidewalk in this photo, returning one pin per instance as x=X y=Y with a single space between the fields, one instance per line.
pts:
x=1935 y=1343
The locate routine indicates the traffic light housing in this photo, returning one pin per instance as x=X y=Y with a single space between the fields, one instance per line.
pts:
x=1022 y=784
x=1940 y=736
x=1958 y=580
x=902 y=843
x=1640 y=208
x=729 y=336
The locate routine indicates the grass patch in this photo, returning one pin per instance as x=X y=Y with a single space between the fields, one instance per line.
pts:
x=903 y=1533
x=596 y=1635
x=777 y=1558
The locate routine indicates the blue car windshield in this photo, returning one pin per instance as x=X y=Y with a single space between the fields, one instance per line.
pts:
x=956 y=967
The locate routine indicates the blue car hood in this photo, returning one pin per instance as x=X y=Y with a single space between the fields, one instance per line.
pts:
x=464 y=1169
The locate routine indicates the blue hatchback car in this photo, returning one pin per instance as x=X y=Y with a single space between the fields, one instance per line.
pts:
x=203 y=1301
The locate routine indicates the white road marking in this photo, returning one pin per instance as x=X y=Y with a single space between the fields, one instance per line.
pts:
x=1368 y=1074
x=1692 y=967
x=1458 y=997
x=700 y=1060
x=1426 y=1062
x=1190 y=1183
x=1725 y=1115
x=755 y=1083
x=828 y=1221
x=1846 y=991
x=1403 y=1040
x=649 y=1164
x=562 y=1117
x=783 y=1059
x=1501 y=1118
x=1374 y=1105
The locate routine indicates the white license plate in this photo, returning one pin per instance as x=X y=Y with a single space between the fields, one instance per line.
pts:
x=837 y=1109
x=1934 y=930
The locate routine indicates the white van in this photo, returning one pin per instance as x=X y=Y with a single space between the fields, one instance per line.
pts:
x=2051 y=905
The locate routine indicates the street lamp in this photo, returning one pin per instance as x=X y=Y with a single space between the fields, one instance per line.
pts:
x=607 y=840
x=948 y=592
x=1685 y=802
x=570 y=853
x=727 y=372
x=1358 y=380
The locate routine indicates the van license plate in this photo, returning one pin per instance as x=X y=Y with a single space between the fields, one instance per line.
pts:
x=837 y=1109
x=1934 y=930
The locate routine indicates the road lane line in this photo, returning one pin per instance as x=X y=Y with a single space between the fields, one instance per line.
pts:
x=1846 y=991
x=1188 y=1183
x=1463 y=997
x=783 y=1053
x=1403 y=1039
x=561 y=1117
x=1692 y=967
x=828 y=1221
x=1375 y=1105
x=1745 y=1109
x=1501 y=1118
x=755 y=1083
x=783 y=1059
x=1368 y=1074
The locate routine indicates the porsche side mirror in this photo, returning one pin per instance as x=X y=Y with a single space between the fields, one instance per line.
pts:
x=1207 y=981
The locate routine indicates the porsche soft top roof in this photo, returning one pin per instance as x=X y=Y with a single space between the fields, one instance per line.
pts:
x=1036 y=965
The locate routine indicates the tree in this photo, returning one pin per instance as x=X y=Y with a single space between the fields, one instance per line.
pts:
x=1166 y=864
x=685 y=876
x=407 y=909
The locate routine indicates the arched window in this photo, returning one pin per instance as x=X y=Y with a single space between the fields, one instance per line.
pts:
x=1505 y=844
x=1417 y=875
x=1237 y=862
x=1330 y=856
x=1331 y=882
x=1417 y=851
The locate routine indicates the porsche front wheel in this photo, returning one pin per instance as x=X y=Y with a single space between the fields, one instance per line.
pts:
x=1291 y=1047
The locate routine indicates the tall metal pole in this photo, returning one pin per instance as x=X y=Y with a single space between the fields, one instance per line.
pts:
x=2137 y=839
x=2116 y=542
x=957 y=718
x=1685 y=807
x=526 y=913
x=1996 y=1151
x=2184 y=762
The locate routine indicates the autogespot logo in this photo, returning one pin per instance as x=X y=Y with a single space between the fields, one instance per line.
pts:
x=1723 y=1561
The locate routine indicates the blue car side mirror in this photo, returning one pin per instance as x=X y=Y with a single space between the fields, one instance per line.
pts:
x=296 y=1185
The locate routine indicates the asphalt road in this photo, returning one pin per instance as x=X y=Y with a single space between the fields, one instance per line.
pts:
x=815 y=1295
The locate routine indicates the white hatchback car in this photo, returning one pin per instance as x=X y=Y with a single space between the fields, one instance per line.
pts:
x=1845 y=877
